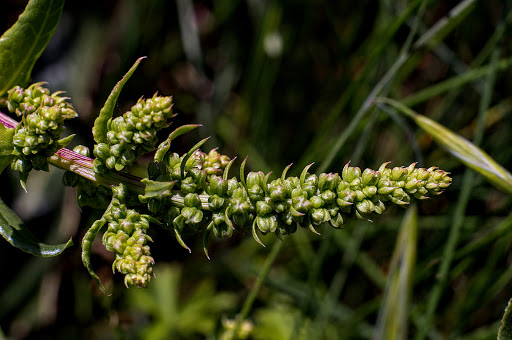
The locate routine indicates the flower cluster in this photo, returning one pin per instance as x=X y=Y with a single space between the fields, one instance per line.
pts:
x=88 y=194
x=23 y=102
x=126 y=236
x=192 y=192
x=204 y=197
x=132 y=134
x=37 y=137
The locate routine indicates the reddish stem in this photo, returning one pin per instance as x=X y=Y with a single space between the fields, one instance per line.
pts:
x=82 y=165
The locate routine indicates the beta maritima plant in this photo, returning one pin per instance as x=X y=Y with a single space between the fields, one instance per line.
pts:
x=190 y=192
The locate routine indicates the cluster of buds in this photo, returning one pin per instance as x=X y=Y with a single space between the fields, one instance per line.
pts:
x=88 y=194
x=204 y=198
x=192 y=192
x=189 y=176
x=132 y=134
x=127 y=237
x=23 y=102
x=37 y=137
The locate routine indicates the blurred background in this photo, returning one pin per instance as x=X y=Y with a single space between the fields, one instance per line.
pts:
x=280 y=82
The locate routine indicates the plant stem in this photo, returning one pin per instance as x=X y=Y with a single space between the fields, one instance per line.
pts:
x=256 y=289
x=81 y=165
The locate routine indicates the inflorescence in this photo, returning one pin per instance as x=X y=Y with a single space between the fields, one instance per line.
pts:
x=42 y=122
x=193 y=192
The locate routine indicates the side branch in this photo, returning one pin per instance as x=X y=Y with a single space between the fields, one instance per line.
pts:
x=81 y=165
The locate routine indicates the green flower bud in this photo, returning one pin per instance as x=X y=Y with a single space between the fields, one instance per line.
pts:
x=316 y=202
x=193 y=216
x=111 y=162
x=82 y=150
x=192 y=200
x=263 y=208
x=328 y=181
x=267 y=224
x=365 y=207
x=255 y=178
x=221 y=230
x=349 y=173
x=319 y=216
x=101 y=151
x=188 y=185
x=328 y=196
x=369 y=191
x=128 y=157
x=215 y=202
x=336 y=221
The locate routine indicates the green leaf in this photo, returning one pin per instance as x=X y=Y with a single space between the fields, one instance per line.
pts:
x=6 y=147
x=465 y=151
x=100 y=127
x=65 y=141
x=89 y=237
x=505 y=332
x=23 y=43
x=189 y=153
x=15 y=232
x=165 y=145
x=155 y=189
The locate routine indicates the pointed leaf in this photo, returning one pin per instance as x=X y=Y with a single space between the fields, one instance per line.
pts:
x=467 y=152
x=189 y=153
x=65 y=141
x=87 y=241
x=23 y=43
x=100 y=128
x=165 y=145
x=6 y=147
x=155 y=189
x=17 y=234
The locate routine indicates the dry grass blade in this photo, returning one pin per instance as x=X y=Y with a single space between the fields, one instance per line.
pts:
x=467 y=152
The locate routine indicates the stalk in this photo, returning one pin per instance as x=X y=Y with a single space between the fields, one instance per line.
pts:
x=81 y=165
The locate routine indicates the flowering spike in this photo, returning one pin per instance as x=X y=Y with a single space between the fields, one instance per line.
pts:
x=192 y=191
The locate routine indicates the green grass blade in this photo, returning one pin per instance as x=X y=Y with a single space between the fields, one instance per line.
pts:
x=23 y=43
x=454 y=82
x=249 y=301
x=464 y=150
x=393 y=315
x=382 y=40
x=444 y=26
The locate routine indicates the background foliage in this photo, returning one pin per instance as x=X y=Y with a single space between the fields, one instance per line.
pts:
x=281 y=82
